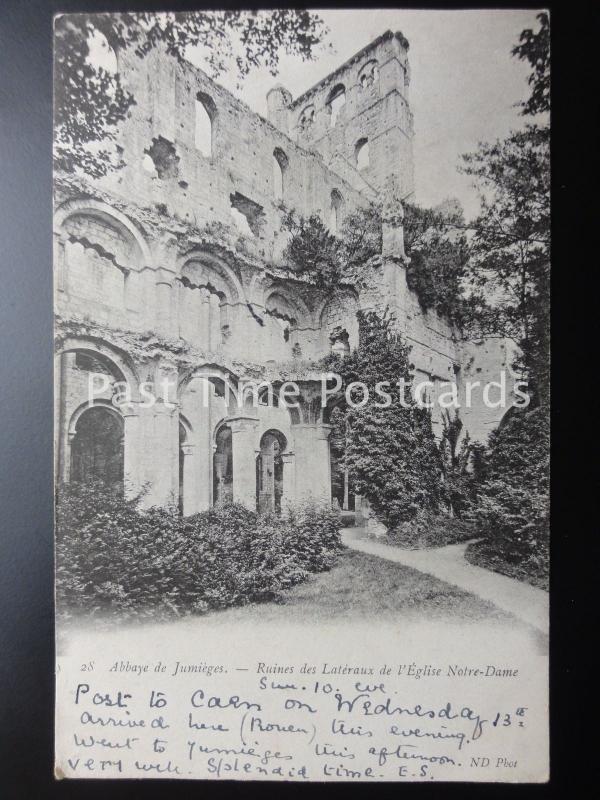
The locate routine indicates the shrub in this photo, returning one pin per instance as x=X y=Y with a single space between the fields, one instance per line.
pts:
x=112 y=555
x=513 y=507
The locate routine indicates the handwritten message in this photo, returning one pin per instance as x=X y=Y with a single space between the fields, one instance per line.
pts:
x=302 y=721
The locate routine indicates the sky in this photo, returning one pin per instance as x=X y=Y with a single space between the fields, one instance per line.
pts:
x=464 y=82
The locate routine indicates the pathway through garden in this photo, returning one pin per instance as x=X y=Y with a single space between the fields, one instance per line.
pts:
x=448 y=564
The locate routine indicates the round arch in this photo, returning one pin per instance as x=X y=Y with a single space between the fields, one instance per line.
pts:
x=117 y=358
x=109 y=215
x=216 y=266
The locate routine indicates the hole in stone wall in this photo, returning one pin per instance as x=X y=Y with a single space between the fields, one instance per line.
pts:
x=164 y=157
x=247 y=215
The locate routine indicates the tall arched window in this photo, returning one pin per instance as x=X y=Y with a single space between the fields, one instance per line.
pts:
x=361 y=153
x=205 y=115
x=280 y=164
x=337 y=205
x=335 y=101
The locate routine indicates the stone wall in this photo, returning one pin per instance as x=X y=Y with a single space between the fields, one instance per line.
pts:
x=170 y=269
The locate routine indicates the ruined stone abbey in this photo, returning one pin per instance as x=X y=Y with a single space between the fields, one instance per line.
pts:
x=170 y=272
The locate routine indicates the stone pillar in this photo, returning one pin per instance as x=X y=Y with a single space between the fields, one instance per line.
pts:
x=62 y=442
x=204 y=320
x=60 y=264
x=190 y=484
x=215 y=322
x=133 y=473
x=313 y=465
x=152 y=453
x=289 y=480
x=204 y=458
x=163 y=306
x=244 y=444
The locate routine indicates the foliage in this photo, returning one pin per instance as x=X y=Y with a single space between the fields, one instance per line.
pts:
x=513 y=506
x=390 y=452
x=534 y=47
x=110 y=555
x=509 y=276
x=460 y=479
x=438 y=253
x=330 y=259
x=90 y=100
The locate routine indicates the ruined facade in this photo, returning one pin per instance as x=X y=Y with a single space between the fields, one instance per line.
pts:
x=169 y=274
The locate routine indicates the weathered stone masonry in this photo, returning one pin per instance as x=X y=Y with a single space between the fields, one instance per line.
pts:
x=171 y=270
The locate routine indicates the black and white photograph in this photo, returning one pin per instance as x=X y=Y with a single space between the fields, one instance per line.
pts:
x=301 y=268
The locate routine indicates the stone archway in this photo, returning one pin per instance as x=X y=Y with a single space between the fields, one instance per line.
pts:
x=269 y=471
x=97 y=452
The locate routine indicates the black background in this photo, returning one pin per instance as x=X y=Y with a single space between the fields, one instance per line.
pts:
x=26 y=556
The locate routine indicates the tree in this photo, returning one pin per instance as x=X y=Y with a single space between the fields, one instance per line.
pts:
x=330 y=259
x=509 y=276
x=437 y=248
x=90 y=100
x=510 y=297
x=390 y=452
x=534 y=47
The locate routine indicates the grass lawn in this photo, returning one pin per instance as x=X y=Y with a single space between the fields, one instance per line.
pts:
x=365 y=587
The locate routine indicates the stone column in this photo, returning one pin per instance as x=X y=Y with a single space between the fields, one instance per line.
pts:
x=313 y=465
x=190 y=484
x=289 y=479
x=244 y=444
x=204 y=320
x=60 y=264
x=215 y=322
x=163 y=306
x=203 y=458
x=133 y=473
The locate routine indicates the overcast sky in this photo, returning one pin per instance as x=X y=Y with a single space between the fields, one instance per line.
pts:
x=464 y=86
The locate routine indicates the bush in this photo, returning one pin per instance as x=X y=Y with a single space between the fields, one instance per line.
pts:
x=430 y=530
x=110 y=555
x=513 y=508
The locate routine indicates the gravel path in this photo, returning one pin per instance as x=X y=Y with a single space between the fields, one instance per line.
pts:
x=448 y=564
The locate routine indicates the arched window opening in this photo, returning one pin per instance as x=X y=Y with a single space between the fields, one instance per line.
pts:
x=335 y=216
x=100 y=54
x=205 y=116
x=223 y=467
x=97 y=447
x=269 y=472
x=307 y=117
x=369 y=74
x=361 y=153
x=335 y=102
x=280 y=165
